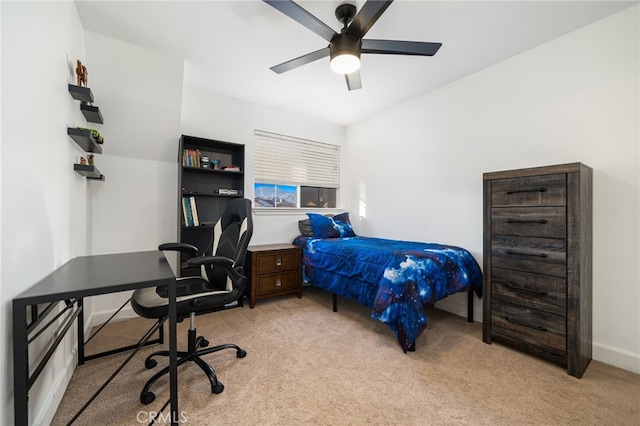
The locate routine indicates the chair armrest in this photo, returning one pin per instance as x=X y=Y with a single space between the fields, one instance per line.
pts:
x=221 y=261
x=182 y=247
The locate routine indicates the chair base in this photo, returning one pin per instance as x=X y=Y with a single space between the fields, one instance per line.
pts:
x=192 y=354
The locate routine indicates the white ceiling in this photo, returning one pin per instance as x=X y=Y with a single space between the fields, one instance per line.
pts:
x=229 y=46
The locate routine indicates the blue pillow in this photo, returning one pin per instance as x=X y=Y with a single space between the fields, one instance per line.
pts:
x=331 y=227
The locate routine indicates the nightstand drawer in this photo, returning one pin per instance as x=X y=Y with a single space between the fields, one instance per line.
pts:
x=549 y=222
x=282 y=260
x=277 y=283
x=543 y=292
x=546 y=190
x=536 y=328
x=275 y=269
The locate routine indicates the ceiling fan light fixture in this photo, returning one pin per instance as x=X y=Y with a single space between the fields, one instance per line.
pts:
x=345 y=53
x=345 y=63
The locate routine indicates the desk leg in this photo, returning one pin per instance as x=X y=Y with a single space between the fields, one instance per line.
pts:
x=173 y=355
x=20 y=365
x=81 y=331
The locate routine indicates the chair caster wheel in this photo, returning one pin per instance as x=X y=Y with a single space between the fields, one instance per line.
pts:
x=150 y=363
x=204 y=343
x=147 y=398
x=218 y=389
x=241 y=353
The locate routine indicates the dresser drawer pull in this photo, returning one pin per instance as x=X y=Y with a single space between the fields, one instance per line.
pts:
x=515 y=191
x=526 y=221
x=278 y=262
x=518 y=288
x=524 y=253
x=524 y=324
x=278 y=282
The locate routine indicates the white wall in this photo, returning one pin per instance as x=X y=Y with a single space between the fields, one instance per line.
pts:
x=573 y=99
x=218 y=117
x=44 y=202
x=139 y=92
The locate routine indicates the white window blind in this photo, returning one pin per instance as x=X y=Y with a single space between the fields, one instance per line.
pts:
x=284 y=159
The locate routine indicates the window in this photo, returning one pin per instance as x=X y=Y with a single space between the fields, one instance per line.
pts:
x=293 y=172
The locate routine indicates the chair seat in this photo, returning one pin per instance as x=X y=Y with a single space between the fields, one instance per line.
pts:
x=151 y=302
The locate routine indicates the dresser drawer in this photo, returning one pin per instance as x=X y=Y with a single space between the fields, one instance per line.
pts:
x=538 y=255
x=277 y=283
x=546 y=190
x=542 y=292
x=549 y=222
x=277 y=261
x=536 y=328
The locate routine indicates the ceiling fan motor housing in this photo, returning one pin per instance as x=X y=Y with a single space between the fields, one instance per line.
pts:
x=345 y=44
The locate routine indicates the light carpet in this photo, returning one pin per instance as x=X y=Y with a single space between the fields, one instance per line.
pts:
x=307 y=365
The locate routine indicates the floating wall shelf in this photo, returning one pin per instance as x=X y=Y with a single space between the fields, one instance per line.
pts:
x=85 y=140
x=81 y=93
x=91 y=113
x=88 y=171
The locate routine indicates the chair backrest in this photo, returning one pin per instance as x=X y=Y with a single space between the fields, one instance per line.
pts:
x=231 y=236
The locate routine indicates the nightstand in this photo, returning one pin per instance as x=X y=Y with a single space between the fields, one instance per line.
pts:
x=275 y=270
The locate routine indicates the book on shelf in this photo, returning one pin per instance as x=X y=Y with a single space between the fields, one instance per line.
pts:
x=190 y=211
x=194 y=211
x=191 y=157
x=186 y=211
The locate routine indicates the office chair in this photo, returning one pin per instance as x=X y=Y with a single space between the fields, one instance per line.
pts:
x=221 y=283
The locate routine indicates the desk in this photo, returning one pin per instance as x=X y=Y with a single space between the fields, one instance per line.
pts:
x=82 y=277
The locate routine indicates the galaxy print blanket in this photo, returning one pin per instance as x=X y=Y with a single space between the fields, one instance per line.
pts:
x=396 y=279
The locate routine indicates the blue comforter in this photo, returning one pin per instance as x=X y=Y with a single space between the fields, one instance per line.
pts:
x=396 y=279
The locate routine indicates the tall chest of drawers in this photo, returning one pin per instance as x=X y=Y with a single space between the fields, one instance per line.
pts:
x=537 y=262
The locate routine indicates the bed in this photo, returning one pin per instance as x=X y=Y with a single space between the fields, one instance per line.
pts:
x=396 y=279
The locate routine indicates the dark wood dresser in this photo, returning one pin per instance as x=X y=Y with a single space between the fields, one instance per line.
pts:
x=275 y=269
x=537 y=262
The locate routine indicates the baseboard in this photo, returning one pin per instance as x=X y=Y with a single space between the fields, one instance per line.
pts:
x=98 y=318
x=44 y=416
x=616 y=357
x=457 y=304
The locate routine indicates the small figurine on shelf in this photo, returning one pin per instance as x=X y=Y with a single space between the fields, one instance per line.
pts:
x=90 y=159
x=83 y=161
x=82 y=74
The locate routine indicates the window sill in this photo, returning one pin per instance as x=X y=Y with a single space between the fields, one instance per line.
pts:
x=290 y=211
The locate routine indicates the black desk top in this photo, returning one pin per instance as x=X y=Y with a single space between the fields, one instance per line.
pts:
x=101 y=274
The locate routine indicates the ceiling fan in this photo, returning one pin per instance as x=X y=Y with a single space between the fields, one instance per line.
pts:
x=346 y=47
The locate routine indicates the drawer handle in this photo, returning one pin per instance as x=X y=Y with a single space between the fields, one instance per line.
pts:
x=542 y=221
x=525 y=253
x=524 y=324
x=278 y=282
x=518 y=288
x=515 y=191
x=278 y=262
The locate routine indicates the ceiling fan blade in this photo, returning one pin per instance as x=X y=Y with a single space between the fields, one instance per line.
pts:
x=301 y=16
x=301 y=60
x=397 y=47
x=353 y=80
x=367 y=16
